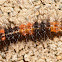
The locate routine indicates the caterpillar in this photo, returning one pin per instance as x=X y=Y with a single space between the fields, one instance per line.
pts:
x=35 y=31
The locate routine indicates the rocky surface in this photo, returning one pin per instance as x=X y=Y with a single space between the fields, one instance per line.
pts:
x=16 y=12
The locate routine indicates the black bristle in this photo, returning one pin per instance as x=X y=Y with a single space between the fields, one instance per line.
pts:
x=35 y=25
x=48 y=24
x=43 y=30
x=15 y=28
x=8 y=30
x=36 y=30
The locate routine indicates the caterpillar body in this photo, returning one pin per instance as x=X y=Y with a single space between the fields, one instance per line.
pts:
x=35 y=31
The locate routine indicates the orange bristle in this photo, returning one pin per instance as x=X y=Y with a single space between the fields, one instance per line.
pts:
x=2 y=31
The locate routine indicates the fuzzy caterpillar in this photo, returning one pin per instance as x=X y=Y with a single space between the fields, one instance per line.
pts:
x=35 y=31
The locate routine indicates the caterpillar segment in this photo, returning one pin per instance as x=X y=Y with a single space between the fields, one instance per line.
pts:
x=26 y=29
x=55 y=27
x=12 y=34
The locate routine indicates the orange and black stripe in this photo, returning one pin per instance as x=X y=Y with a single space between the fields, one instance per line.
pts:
x=35 y=31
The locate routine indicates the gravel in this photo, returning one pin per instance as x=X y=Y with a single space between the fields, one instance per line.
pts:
x=17 y=12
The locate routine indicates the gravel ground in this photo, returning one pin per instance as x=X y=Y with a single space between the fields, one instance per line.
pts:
x=16 y=12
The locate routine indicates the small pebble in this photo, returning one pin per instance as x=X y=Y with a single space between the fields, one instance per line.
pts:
x=37 y=13
x=2 y=1
x=59 y=57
